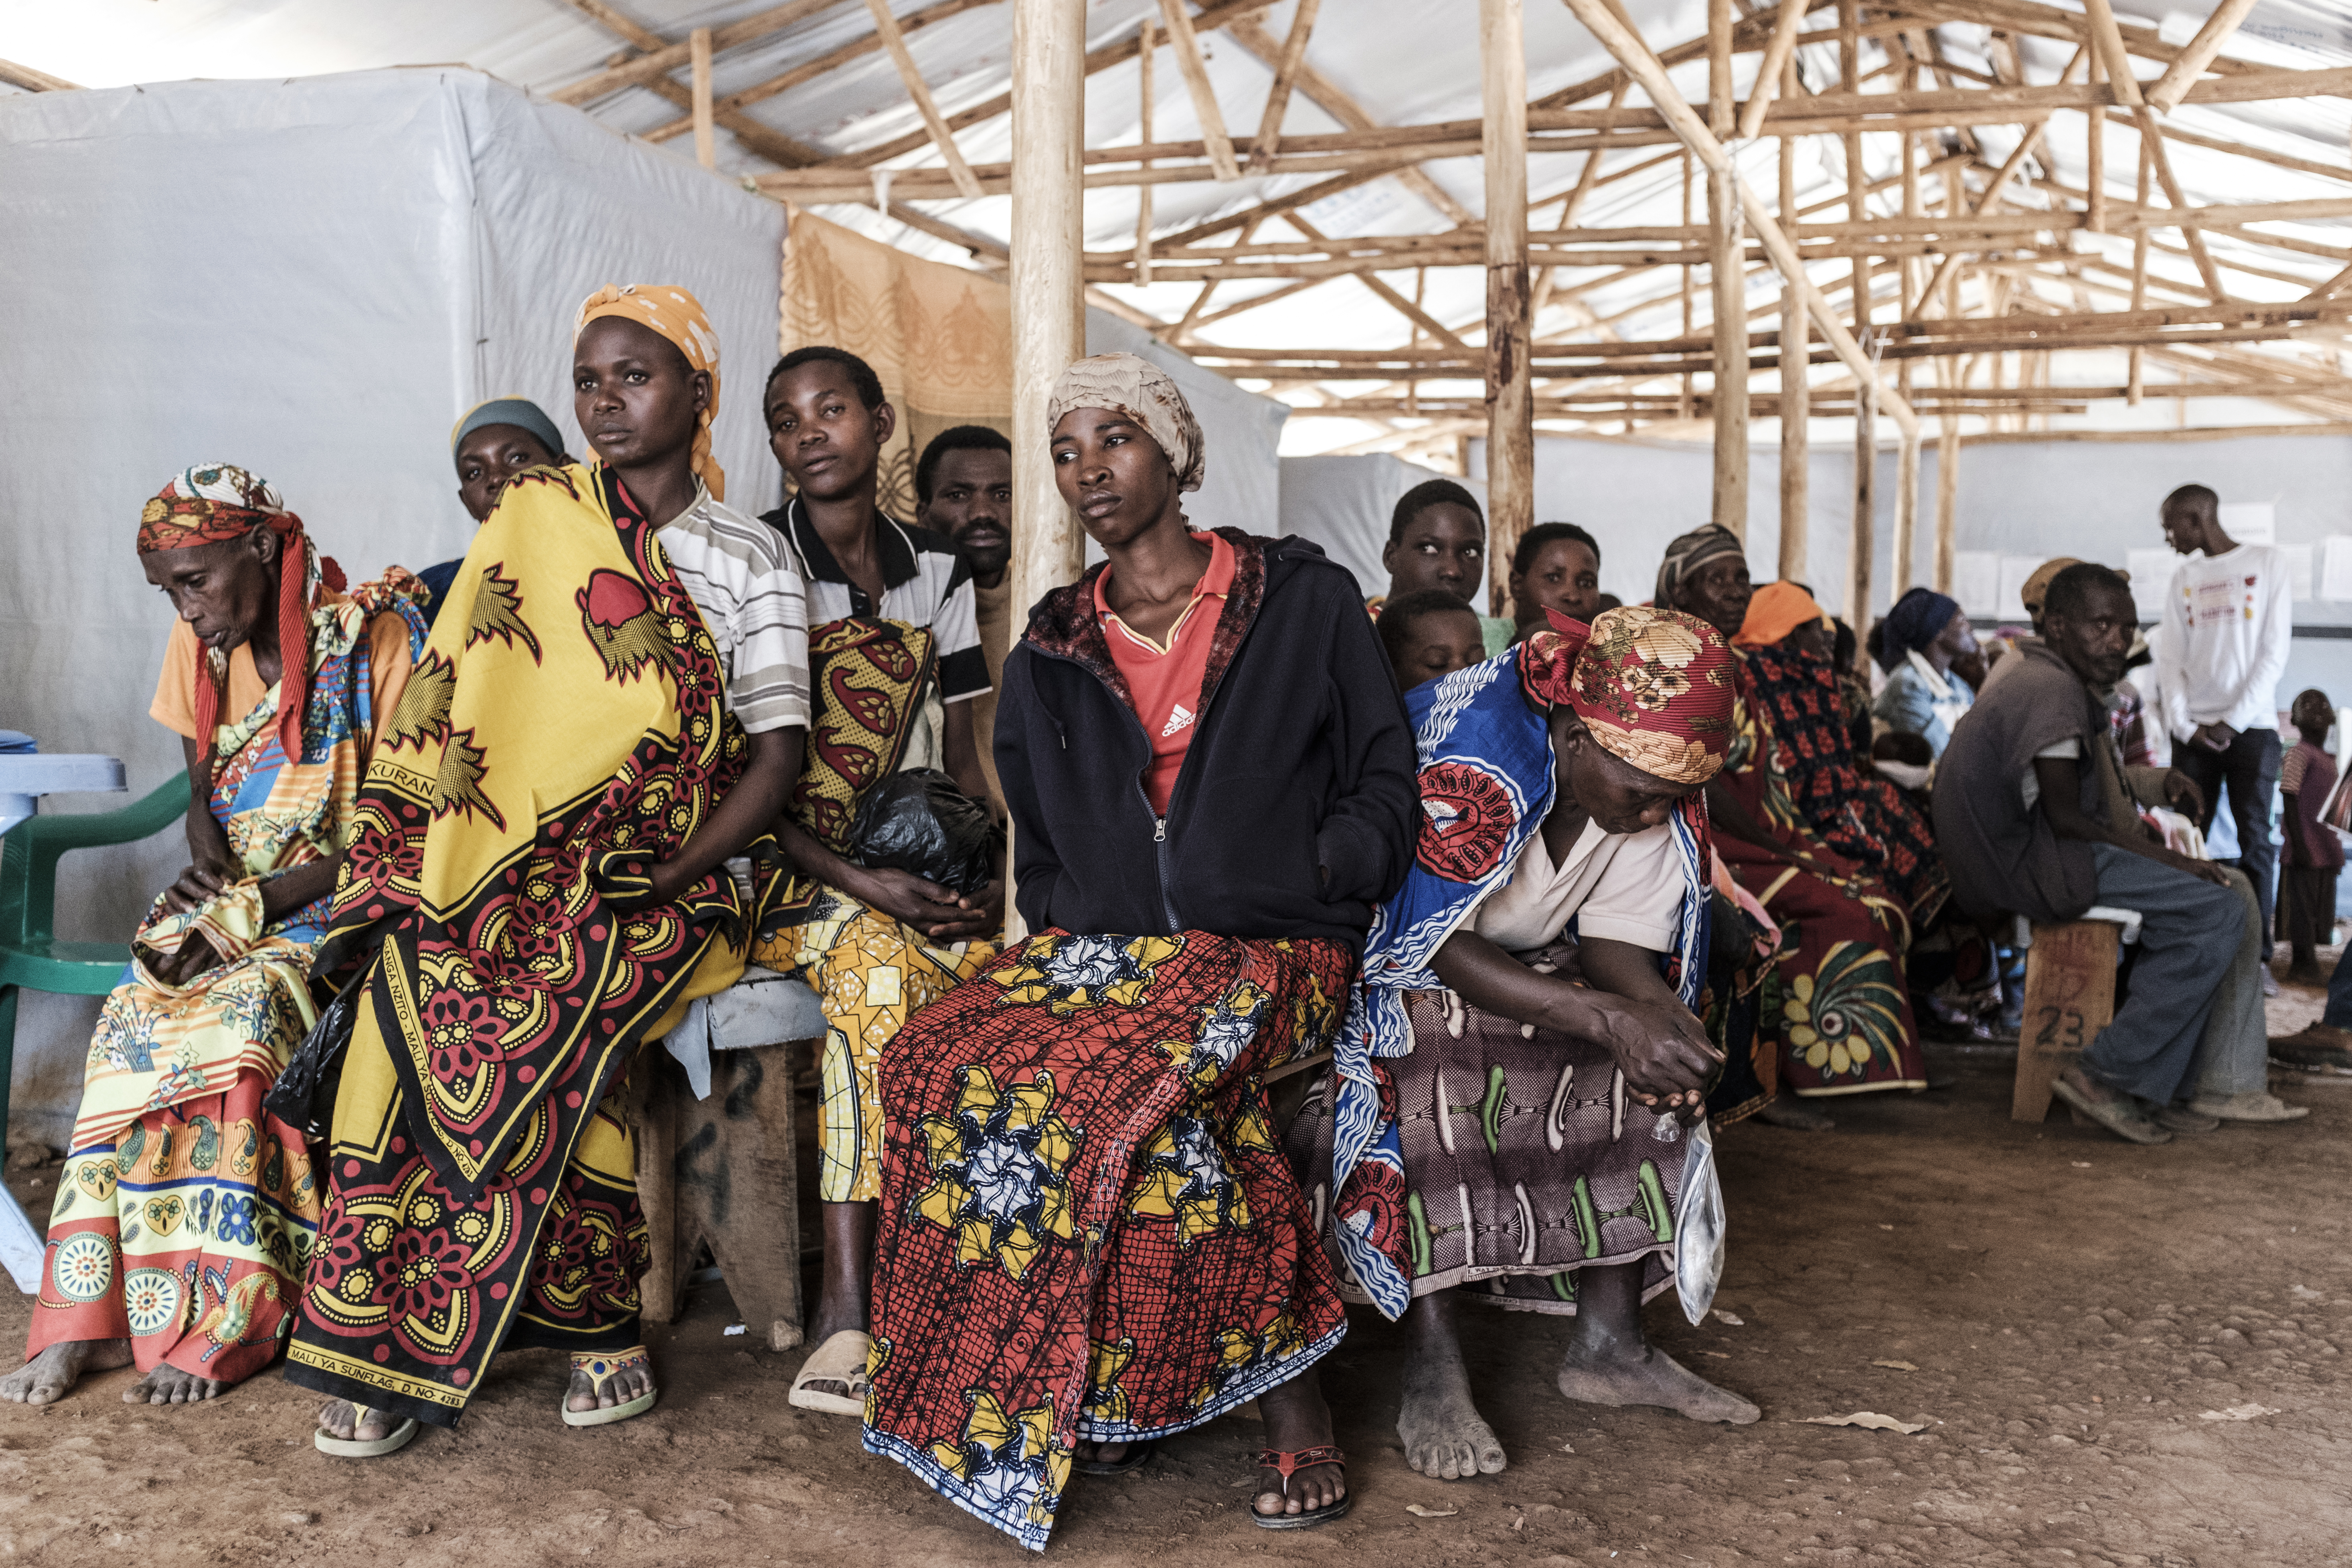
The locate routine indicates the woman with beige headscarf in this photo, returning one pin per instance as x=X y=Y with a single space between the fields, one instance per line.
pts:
x=1089 y=1237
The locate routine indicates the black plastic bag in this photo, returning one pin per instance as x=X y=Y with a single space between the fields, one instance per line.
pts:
x=304 y=1094
x=918 y=821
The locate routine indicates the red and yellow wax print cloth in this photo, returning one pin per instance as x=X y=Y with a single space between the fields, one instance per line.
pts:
x=1835 y=1001
x=870 y=971
x=185 y=1212
x=567 y=727
x=1088 y=1229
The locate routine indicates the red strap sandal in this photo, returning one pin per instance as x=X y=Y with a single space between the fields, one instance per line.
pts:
x=1287 y=1464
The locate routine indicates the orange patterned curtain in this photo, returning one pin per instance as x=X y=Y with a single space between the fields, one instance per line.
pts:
x=941 y=337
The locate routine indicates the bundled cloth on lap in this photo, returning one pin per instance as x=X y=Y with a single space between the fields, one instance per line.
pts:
x=185 y=1212
x=1412 y=1205
x=568 y=727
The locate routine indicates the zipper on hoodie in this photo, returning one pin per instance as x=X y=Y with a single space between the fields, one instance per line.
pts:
x=1159 y=850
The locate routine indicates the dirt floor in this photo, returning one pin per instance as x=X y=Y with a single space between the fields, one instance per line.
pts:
x=2119 y=1355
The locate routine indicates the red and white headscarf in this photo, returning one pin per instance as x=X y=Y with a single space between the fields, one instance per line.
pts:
x=215 y=503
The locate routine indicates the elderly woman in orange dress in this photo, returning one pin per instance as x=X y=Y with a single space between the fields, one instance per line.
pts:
x=186 y=1211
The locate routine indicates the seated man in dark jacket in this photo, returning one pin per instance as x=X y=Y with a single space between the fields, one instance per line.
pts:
x=2037 y=816
x=1089 y=1237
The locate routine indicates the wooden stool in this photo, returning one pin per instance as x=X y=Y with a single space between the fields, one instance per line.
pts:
x=723 y=1169
x=2070 y=996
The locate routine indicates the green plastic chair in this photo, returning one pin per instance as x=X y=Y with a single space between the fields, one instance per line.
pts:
x=31 y=958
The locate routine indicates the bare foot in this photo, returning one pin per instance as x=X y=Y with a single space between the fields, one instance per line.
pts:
x=169 y=1385
x=624 y=1386
x=841 y=1303
x=50 y=1375
x=1296 y=1419
x=1648 y=1376
x=1444 y=1436
x=336 y=1421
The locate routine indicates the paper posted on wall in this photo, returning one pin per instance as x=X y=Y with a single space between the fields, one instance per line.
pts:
x=2335 y=568
x=1975 y=581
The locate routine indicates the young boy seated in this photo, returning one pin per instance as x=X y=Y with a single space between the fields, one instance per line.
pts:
x=1437 y=539
x=1430 y=634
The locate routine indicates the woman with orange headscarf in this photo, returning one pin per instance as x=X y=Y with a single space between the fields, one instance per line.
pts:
x=185 y=1209
x=609 y=714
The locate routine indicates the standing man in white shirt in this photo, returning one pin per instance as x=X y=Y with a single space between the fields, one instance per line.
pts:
x=2220 y=658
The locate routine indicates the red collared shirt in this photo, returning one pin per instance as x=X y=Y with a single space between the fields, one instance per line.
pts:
x=1163 y=680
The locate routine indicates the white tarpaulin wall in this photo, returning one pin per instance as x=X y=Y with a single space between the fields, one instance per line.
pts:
x=1343 y=504
x=311 y=278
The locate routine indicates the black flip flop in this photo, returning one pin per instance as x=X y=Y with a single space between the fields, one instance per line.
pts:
x=1137 y=1455
x=1286 y=1465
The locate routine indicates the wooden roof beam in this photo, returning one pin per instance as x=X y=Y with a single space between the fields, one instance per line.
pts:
x=1328 y=97
x=660 y=57
x=33 y=80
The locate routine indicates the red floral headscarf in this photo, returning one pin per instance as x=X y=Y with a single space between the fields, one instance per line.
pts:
x=1653 y=687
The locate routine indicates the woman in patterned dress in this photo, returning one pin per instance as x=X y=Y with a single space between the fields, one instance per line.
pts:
x=1089 y=1238
x=186 y=1212
x=1506 y=1122
x=1837 y=997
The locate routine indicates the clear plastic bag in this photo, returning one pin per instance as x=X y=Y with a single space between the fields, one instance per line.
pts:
x=917 y=820
x=1699 y=1227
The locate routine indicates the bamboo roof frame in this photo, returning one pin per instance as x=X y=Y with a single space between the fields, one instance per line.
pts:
x=2172 y=284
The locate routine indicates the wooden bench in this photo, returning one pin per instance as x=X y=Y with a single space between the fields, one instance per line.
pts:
x=723 y=1169
x=2070 y=996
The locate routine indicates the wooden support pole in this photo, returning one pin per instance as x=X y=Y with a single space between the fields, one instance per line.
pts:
x=1721 y=112
x=1948 y=500
x=1777 y=55
x=1865 y=535
x=2140 y=258
x=2108 y=40
x=1049 y=44
x=2152 y=146
x=1857 y=181
x=2190 y=63
x=1690 y=318
x=2095 y=132
x=886 y=27
x=706 y=144
x=1286 y=74
x=1795 y=393
x=1728 y=277
x=1145 y=49
x=1178 y=15
x=1510 y=390
x=1906 y=513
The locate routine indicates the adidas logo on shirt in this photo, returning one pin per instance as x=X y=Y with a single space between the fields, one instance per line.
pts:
x=1177 y=717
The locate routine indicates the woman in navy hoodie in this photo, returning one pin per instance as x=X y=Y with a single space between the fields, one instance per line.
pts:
x=1089 y=1237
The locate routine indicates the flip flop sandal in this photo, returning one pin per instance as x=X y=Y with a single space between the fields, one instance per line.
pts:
x=366 y=1448
x=1287 y=1464
x=602 y=1370
x=841 y=1359
x=1137 y=1455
